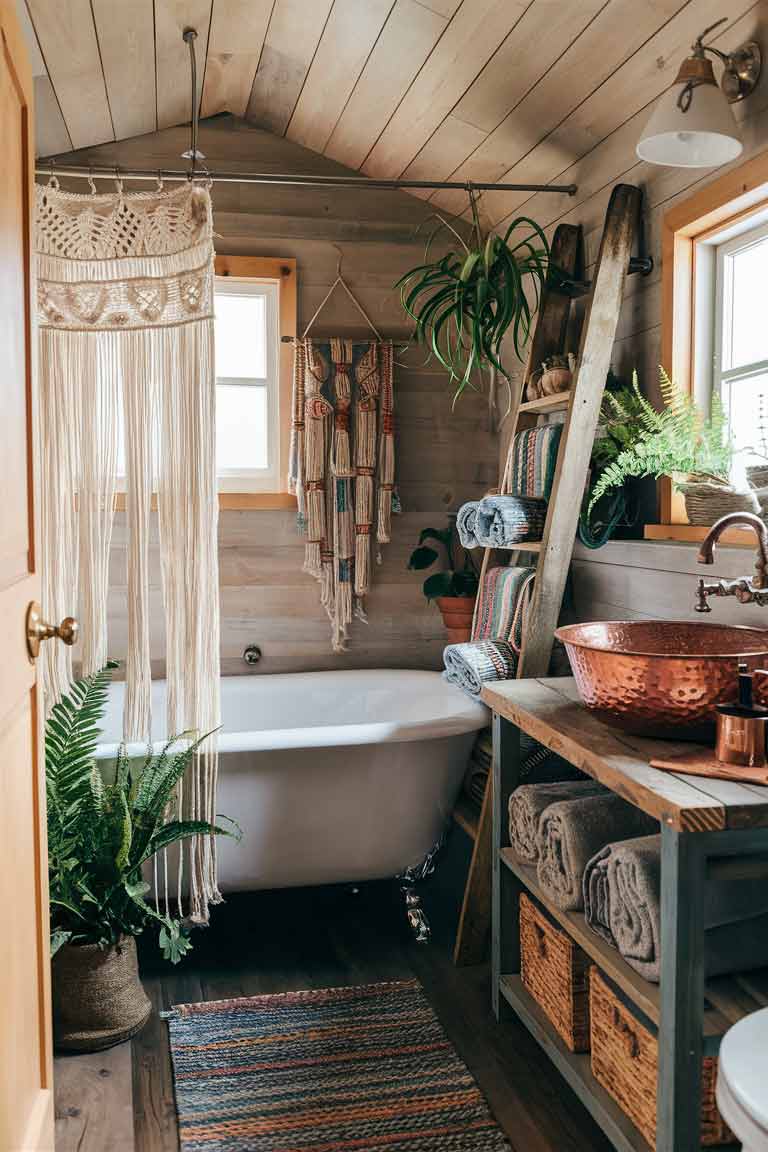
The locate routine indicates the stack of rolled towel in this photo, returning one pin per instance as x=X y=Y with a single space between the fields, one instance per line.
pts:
x=501 y=521
x=560 y=826
x=622 y=903
x=492 y=652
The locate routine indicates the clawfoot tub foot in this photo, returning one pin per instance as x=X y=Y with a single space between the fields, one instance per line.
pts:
x=417 y=917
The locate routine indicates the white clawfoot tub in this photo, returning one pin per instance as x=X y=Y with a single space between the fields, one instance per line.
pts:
x=333 y=776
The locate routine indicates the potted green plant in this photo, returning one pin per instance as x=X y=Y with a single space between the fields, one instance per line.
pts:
x=464 y=304
x=101 y=833
x=681 y=442
x=453 y=589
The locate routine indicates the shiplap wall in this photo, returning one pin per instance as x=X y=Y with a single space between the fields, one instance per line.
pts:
x=443 y=457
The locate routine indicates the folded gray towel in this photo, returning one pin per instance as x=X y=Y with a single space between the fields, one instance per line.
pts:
x=526 y=805
x=466 y=518
x=572 y=831
x=479 y=662
x=502 y=521
x=622 y=891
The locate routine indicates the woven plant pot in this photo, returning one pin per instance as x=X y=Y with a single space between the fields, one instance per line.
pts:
x=706 y=502
x=757 y=476
x=457 y=613
x=98 y=998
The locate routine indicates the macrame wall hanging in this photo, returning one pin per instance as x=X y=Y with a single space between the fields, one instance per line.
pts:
x=343 y=467
x=125 y=311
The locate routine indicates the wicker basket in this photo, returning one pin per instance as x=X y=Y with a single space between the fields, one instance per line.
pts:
x=625 y=1060
x=556 y=973
x=757 y=475
x=706 y=502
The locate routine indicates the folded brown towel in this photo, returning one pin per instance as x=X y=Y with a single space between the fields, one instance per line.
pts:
x=572 y=831
x=622 y=892
x=529 y=801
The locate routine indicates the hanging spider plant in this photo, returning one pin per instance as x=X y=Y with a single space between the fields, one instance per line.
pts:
x=465 y=303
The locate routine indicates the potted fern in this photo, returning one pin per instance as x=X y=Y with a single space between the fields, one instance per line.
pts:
x=100 y=836
x=464 y=304
x=680 y=442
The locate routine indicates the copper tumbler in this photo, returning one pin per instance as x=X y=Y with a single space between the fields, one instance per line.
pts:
x=741 y=736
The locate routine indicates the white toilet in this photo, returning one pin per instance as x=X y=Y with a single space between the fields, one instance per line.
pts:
x=742 y=1081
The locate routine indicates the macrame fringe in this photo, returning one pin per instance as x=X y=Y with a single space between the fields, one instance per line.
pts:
x=342 y=469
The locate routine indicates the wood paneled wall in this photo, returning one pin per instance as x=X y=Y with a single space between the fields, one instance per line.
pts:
x=443 y=457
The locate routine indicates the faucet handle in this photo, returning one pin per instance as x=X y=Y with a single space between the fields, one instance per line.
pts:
x=702 y=591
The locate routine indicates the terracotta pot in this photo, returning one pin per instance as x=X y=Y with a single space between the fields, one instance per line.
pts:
x=457 y=613
x=555 y=380
x=98 y=998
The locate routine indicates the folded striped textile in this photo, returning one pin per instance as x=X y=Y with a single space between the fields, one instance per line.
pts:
x=466 y=518
x=534 y=458
x=502 y=592
x=502 y=521
x=571 y=832
x=528 y=803
x=479 y=662
x=475 y=783
x=622 y=903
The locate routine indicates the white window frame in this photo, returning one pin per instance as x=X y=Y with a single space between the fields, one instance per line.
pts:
x=257 y=479
x=723 y=288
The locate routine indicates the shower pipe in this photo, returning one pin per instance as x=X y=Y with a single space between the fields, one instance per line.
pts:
x=296 y=180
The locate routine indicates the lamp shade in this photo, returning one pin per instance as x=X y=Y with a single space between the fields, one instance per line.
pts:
x=702 y=137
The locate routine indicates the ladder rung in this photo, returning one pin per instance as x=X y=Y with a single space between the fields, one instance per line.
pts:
x=547 y=403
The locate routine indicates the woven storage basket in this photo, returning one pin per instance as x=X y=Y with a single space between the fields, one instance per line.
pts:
x=705 y=503
x=98 y=998
x=625 y=1061
x=556 y=973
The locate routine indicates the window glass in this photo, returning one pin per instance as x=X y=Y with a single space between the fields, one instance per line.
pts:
x=241 y=427
x=747 y=271
x=241 y=336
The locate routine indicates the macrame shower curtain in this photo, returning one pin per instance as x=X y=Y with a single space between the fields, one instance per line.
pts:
x=125 y=311
x=343 y=467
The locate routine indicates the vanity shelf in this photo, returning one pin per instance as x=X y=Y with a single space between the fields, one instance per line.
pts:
x=701 y=820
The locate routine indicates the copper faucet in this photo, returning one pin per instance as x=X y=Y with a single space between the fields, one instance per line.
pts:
x=746 y=590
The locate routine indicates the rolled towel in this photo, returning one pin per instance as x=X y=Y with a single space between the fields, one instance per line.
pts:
x=503 y=521
x=479 y=662
x=633 y=872
x=466 y=518
x=597 y=898
x=529 y=801
x=572 y=831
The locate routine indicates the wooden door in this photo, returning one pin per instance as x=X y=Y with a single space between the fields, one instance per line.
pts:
x=26 y=1088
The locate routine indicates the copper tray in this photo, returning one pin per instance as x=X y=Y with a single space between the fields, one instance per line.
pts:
x=662 y=677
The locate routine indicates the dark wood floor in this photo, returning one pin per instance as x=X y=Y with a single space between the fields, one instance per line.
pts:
x=122 y=1100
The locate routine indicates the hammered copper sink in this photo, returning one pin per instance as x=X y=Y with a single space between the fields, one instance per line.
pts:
x=662 y=677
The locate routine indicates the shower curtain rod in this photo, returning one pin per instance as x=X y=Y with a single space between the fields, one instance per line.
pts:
x=297 y=179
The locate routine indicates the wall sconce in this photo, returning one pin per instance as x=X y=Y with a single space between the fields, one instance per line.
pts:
x=692 y=125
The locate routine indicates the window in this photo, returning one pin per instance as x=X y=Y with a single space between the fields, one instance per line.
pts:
x=247 y=384
x=740 y=359
x=714 y=257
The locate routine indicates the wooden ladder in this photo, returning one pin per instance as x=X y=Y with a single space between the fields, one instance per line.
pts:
x=552 y=555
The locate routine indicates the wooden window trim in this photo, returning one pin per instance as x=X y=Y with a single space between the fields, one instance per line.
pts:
x=733 y=197
x=284 y=271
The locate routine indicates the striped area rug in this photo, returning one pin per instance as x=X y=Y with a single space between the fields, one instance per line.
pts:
x=337 y=1070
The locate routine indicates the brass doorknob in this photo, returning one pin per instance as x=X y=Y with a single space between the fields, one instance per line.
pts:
x=38 y=630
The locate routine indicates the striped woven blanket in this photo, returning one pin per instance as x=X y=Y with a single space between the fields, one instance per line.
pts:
x=497 y=616
x=479 y=662
x=502 y=521
x=534 y=458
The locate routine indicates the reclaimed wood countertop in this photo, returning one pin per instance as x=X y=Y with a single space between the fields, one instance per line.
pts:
x=550 y=710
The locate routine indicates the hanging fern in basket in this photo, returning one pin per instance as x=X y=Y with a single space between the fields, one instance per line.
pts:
x=464 y=304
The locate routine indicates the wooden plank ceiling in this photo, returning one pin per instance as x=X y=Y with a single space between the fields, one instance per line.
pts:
x=497 y=90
